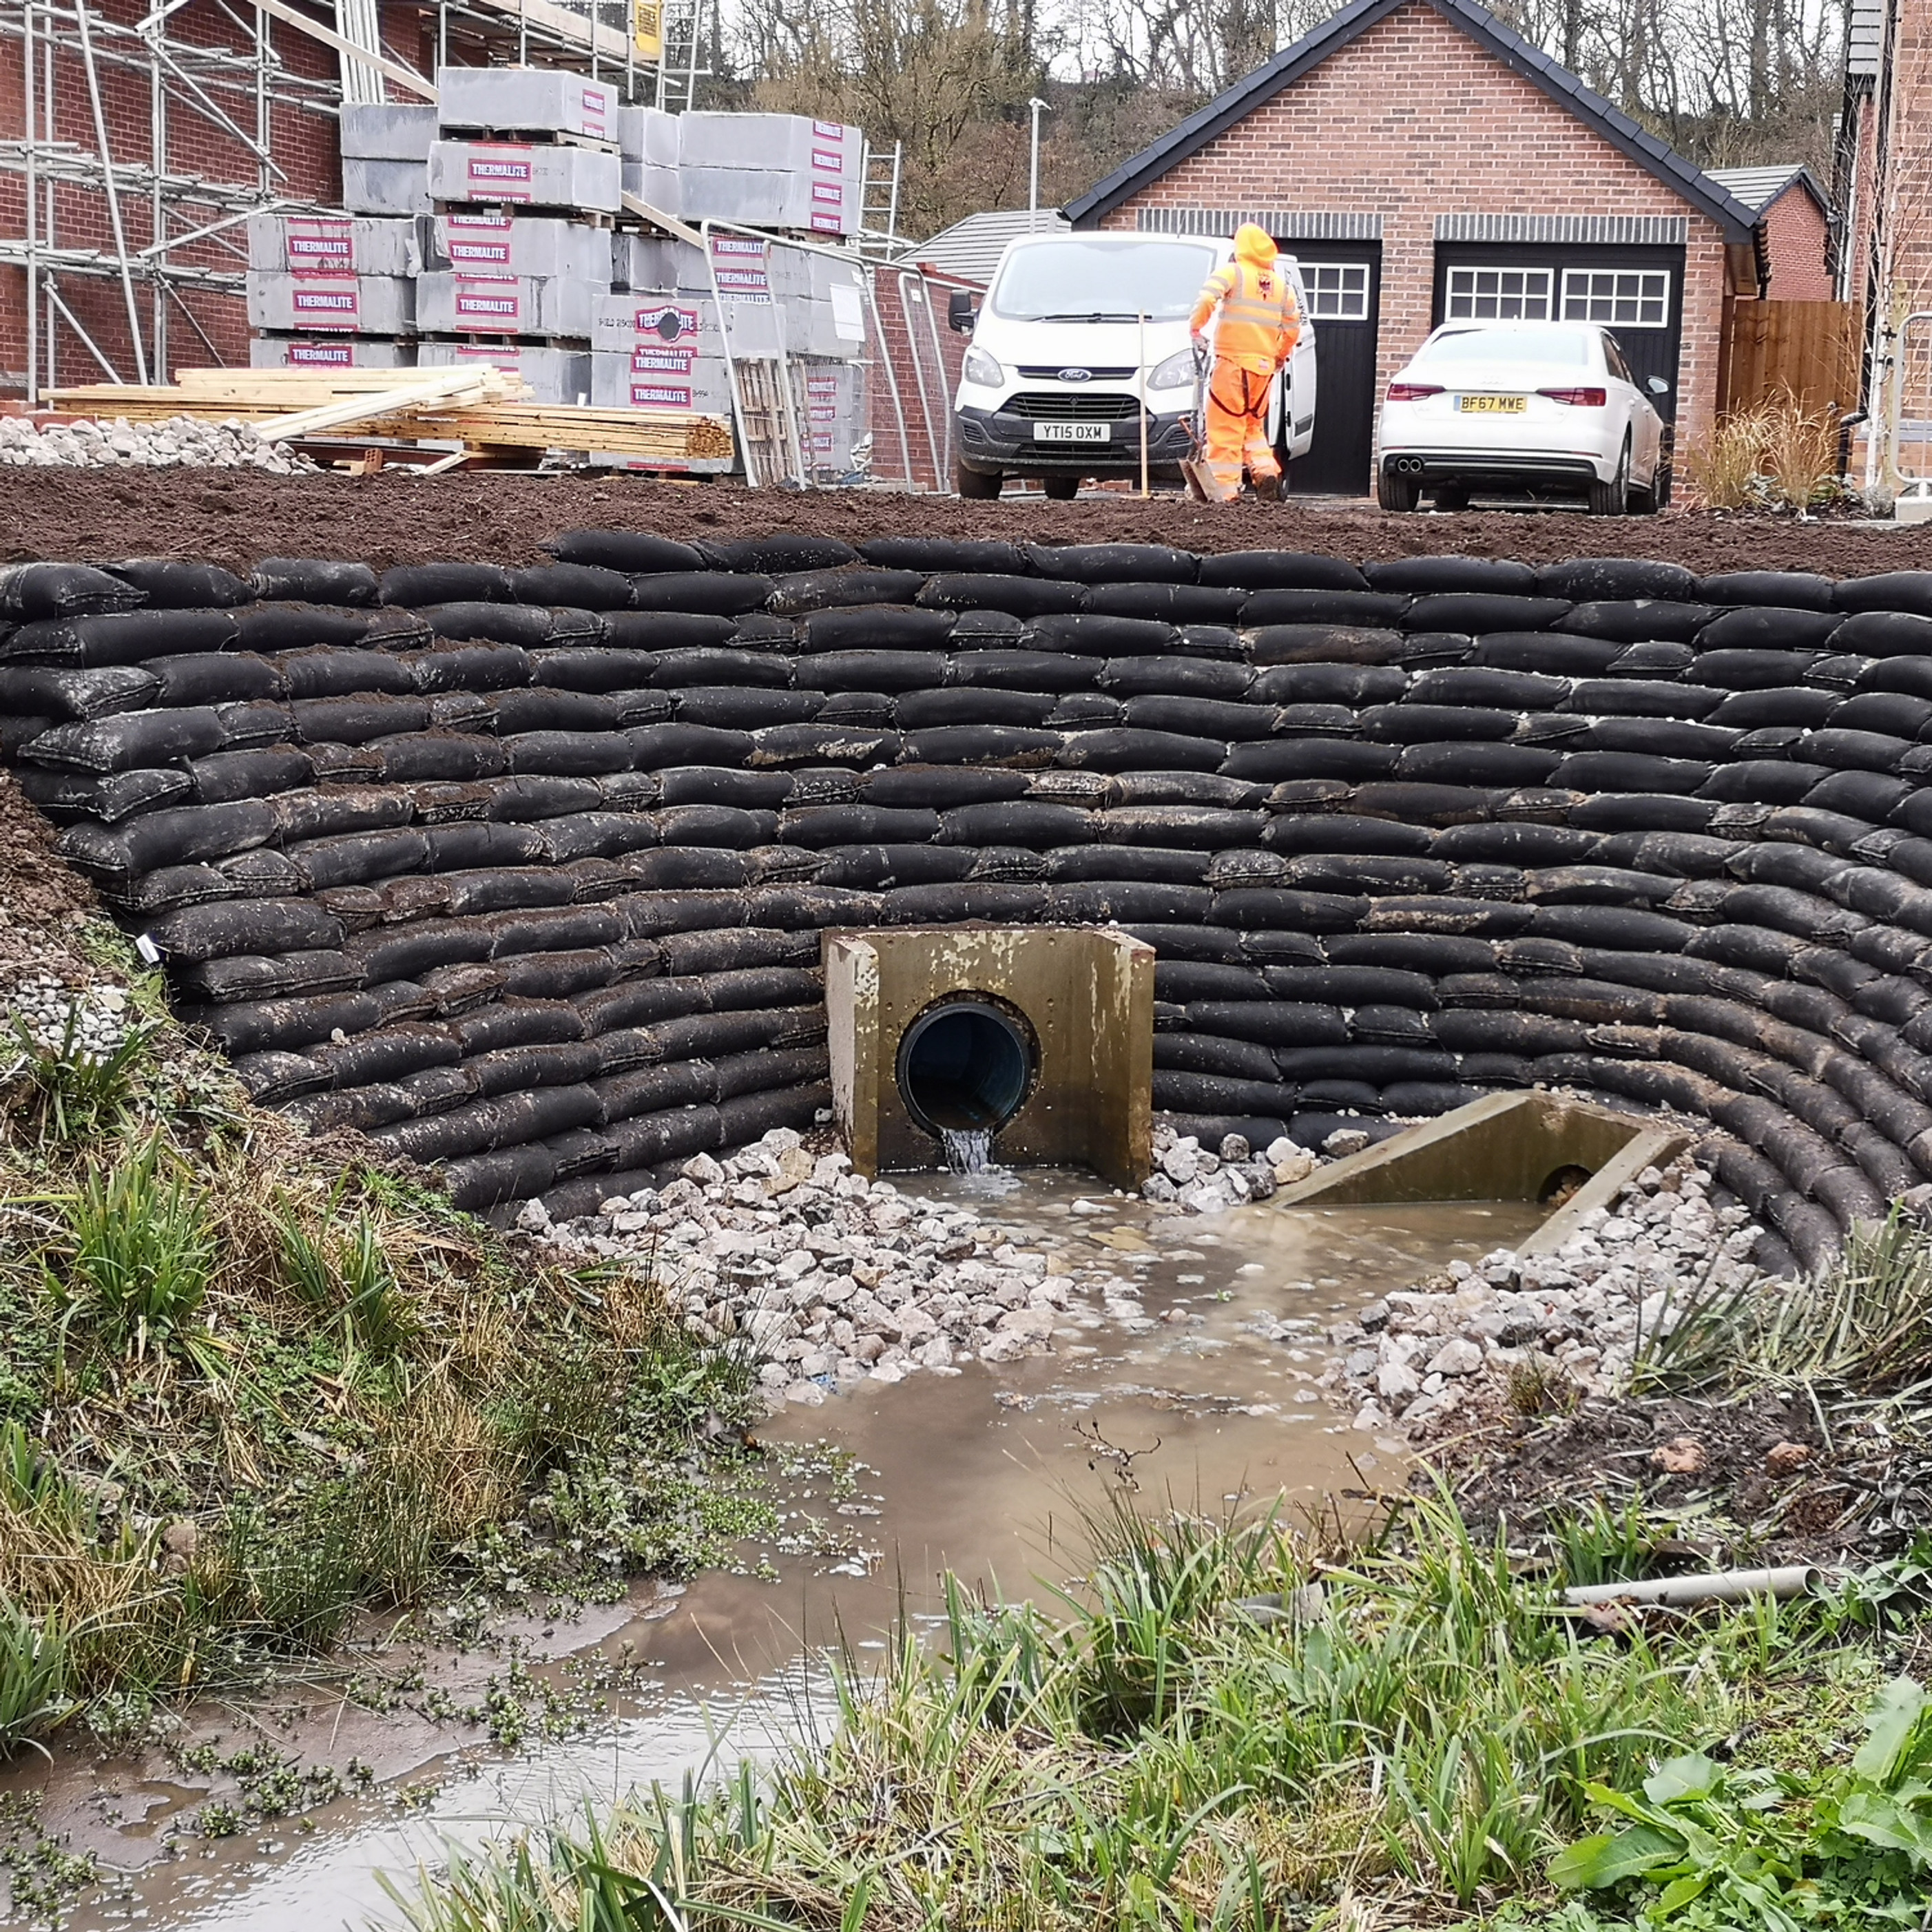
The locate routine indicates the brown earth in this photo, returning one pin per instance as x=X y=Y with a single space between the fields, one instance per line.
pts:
x=233 y=517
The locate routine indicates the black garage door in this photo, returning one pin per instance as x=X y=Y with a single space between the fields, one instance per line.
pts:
x=1636 y=293
x=1344 y=284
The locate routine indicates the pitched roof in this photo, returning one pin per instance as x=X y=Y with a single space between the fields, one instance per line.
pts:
x=1758 y=187
x=971 y=248
x=1733 y=216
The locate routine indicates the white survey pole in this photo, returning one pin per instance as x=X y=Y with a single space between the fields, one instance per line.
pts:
x=1038 y=107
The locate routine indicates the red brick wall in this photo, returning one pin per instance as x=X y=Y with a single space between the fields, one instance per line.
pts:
x=302 y=141
x=1413 y=119
x=925 y=392
x=1796 y=237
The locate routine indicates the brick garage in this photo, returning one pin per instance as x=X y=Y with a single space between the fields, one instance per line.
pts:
x=1424 y=162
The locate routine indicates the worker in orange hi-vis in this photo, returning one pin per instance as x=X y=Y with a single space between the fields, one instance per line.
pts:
x=1260 y=323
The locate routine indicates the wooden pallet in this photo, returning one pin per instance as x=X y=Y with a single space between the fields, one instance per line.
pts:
x=479 y=405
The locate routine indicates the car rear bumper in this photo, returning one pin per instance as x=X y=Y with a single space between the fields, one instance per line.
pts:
x=1496 y=469
x=989 y=440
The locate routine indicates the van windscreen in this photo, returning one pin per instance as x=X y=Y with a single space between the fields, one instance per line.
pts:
x=1078 y=279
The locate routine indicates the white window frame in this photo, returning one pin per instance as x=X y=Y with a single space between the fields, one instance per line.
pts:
x=1347 y=301
x=1648 y=288
x=1530 y=299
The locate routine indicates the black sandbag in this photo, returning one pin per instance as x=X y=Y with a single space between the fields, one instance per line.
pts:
x=817 y=825
x=1155 y=675
x=204 y=677
x=1625 y=928
x=630 y=551
x=681 y=670
x=1653 y=660
x=1852 y=751
x=1422 y=650
x=1197 y=828
x=1442 y=912
x=1269 y=1023
x=522 y=626
x=1209 y=943
x=1218 y=1093
x=30 y=592
x=736 y=828
x=875 y=628
x=408 y=952
x=846 y=586
x=1332 y=647
x=417 y=585
x=1316 y=721
x=1272 y=908
x=1543 y=654
x=357 y=858
x=1896 y=713
x=1356 y=875
x=1432 y=955
x=1798 y=706
x=1220 y=721
x=576 y=587
x=1840 y=671
x=72 y=693
x=738 y=708
x=1131 y=865
x=255 y=976
x=658 y=747
x=1748 y=669
x=822 y=743
x=337 y=671
x=1182 y=980
x=1374 y=1066
x=108 y=797
x=1482 y=687
x=640 y=631
x=272 y=628
x=327 y=812
x=945 y=553
x=514 y=1070
x=1501 y=765
x=1761 y=781
x=1167 y=603
x=1751 y=947
x=1126 y=748
x=1513 y=844
x=1636 y=621
x=688 y=594
x=1786 y=589
x=1599 y=884
x=1641 y=698
x=418 y=757
x=175 y=835
x=714 y=784
x=260 y=873
x=1019 y=596
x=1091 y=634
x=544 y=708
x=926 y=710
x=879 y=671
x=651 y=1139
x=1208 y=1053
x=582 y=836
x=1627 y=772
x=1279 y=570
x=1353 y=986
x=941 y=787
x=1588 y=578
x=1350 y=685
x=1417 y=804
x=1477 y=1031
x=119 y=637
x=1367 y=612
x=567 y=753
x=1032 y=823
x=1122 y=901
x=1025 y=670
x=313 y=580
x=501 y=889
x=257 y=1026
x=1663 y=738
x=1426 y=576
x=1866 y=795
x=1473 y=611
x=174 y=583
x=196 y=934
x=1010 y=745
x=1112 y=563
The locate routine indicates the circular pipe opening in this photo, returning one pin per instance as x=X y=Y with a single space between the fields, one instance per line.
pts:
x=966 y=1066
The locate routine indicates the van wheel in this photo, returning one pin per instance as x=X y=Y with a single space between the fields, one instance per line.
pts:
x=1397 y=492
x=977 y=485
x=1061 y=489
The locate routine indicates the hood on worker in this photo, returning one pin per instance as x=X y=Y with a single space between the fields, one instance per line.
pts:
x=1255 y=246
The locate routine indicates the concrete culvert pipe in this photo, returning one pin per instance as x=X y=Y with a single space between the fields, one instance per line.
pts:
x=965 y=1065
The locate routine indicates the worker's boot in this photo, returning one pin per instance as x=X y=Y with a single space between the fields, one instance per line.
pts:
x=1268 y=488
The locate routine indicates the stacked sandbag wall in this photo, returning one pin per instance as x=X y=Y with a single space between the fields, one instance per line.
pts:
x=523 y=871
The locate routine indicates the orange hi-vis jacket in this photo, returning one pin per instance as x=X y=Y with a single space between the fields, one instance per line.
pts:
x=1261 y=321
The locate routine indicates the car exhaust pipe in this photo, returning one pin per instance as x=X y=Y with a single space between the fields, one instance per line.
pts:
x=1408 y=466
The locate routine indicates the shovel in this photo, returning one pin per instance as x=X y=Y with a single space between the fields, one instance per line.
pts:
x=1193 y=468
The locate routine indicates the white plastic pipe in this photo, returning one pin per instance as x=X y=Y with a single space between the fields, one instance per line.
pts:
x=1721 y=1586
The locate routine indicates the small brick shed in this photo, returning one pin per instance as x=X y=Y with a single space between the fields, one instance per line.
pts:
x=1425 y=162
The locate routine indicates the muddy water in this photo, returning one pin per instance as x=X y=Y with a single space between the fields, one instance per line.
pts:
x=1205 y=1398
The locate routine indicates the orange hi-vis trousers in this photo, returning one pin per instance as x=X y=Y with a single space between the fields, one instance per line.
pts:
x=1237 y=435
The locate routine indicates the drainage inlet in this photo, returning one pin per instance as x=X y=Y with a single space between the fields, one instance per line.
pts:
x=965 y=1066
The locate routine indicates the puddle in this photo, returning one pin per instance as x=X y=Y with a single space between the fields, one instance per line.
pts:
x=1200 y=1385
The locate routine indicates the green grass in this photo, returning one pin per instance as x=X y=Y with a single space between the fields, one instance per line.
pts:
x=245 y=1390
x=1411 y=1746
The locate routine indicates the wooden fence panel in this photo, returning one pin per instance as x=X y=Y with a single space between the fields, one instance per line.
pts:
x=1810 y=348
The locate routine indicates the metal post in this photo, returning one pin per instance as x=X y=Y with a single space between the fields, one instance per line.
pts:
x=158 y=213
x=442 y=35
x=47 y=131
x=1141 y=318
x=1038 y=106
x=33 y=214
x=80 y=13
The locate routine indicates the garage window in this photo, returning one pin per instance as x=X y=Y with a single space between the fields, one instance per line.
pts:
x=1619 y=298
x=1498 y=295
x=1337 y=288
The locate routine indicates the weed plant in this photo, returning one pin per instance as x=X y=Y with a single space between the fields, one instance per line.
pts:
x=1777 y=455
x=1203 y=1743
x=249 y=1384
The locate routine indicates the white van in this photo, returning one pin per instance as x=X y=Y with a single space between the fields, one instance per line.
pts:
x=1076 y=329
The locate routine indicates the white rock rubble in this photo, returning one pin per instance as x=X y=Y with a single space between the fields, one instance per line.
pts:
x=832 y=1278
x=1516 y=1326
x=180 y=442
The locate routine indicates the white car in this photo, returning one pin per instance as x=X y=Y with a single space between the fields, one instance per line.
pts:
x=1541 y=405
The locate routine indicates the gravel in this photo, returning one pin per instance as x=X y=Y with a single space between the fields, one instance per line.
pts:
x=181 y=442
x=833 y=1280
x=1187 y=1179
x=98 y=1015
x=1524 y=1331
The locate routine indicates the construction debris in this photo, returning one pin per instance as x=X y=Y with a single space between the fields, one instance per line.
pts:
x=169 y=442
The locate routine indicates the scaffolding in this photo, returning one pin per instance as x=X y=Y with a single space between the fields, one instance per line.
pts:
x=160 y=231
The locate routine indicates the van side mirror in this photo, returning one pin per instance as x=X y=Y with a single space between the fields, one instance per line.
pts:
x=961 y=314
x=1658 y=386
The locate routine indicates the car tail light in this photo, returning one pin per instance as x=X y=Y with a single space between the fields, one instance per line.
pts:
x=1413 y=392
x=1581 y=399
